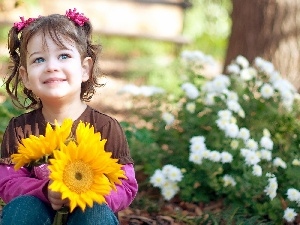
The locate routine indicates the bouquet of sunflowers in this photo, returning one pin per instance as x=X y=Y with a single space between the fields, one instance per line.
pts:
x=79 y=166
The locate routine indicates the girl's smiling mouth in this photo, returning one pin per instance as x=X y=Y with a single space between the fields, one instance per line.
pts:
x=54 y=80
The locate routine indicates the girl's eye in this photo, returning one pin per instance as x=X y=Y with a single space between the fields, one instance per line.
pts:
x=39 y=60
x=64 y=56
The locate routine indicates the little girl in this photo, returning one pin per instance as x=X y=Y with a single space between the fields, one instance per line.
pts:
x=55 y=66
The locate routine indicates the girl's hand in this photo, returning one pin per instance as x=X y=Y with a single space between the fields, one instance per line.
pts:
x=55 y=199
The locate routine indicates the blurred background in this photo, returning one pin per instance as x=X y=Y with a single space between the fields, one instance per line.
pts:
x=143 y=39
x=140 y=38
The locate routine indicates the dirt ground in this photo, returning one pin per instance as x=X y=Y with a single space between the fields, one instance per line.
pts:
x=108 y=100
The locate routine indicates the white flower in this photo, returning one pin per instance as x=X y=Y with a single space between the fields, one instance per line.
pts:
x=296 y=162
x=222 y=123
x=245 y=151
x=225 y=114
x=168 y=118
x=271 y=189
x=241 y=113
x=231 y=95
x=267 y=91
x=172 y=173
x=196 y=157
x=234 y=144
x=264 y=65
x=251 y=158
x=289 y=214
x=166 y=170
x=247 y=74
x=288 y=101
x=196 y=57
x=209 y=99
x=169 y=190
x=242 y=61
x=233 y=120
x=190 y=107
x=228 y=180
x=283 y=85
x=157 y=179
x=197 y=147
x=274 y=76
x=258 y=153
x=257 y=170
x=197 y=139
x=220 y=83
x=258 y=83
x=251 y=144
x=167 y=193
x=208 y=87
x=226 y=157
x=166 y=179
x=266 y=133
x=293 y=195
x=244 y=134
x=288 y=105
x=287 y=95
x=233 y=106
x=190 y=90
x=278 y=162
x=206 y=154
x=233 y=69
x=266 y=154
x=231 y=130
x=270 y=174
x=214 y=156
x=266 y=143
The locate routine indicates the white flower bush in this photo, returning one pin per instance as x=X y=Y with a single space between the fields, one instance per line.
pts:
x=236 y=136
x=166 y=179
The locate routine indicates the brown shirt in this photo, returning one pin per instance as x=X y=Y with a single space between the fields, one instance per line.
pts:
x=33 y=123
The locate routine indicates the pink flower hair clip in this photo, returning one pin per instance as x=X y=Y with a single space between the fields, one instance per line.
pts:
x=77 y=17
x=24 y=23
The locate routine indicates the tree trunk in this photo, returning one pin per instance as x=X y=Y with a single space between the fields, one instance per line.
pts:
x=269 y=29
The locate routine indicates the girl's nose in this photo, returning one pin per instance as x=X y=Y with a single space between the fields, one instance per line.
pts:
x=52 y=65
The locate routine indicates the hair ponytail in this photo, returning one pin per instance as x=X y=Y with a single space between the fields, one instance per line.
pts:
x=14 y=46
x=13 y=79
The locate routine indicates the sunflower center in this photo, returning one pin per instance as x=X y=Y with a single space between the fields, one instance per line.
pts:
x=78 y=176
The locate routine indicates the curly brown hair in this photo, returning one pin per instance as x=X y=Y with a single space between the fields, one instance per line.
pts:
x=58 y=27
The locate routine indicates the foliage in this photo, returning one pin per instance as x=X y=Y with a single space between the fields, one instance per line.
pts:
x=233 y=137
x=7 y=111
x=209 y=31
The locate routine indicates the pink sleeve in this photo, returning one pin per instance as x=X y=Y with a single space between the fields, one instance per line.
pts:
x=126 y=192
x=15 y=183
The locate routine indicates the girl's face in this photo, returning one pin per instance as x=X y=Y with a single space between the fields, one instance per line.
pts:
x=54 y=73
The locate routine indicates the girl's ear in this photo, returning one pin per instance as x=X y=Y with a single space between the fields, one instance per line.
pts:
x=24 y=77
x=87 y=64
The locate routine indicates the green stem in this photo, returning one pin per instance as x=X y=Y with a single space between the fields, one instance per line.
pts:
x=61 y=216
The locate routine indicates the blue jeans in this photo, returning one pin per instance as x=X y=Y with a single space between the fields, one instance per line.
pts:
x=29 y=210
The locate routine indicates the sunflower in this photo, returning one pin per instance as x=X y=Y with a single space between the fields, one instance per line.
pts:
x=86 y=133
x=61 y=133
x=82 y=171
x=37 y=149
